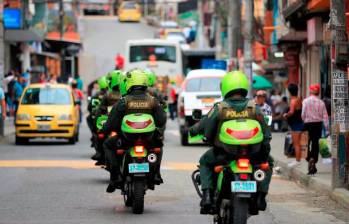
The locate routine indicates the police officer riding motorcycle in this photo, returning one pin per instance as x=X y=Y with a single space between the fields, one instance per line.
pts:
x=92 y=108
x=107 y=102
x=233 y=146
x=135 y=105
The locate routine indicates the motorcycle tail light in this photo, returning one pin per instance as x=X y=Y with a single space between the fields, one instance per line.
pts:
x=242 y=134
x=264 y=166
x=139 y=149
x=157 y=150
x=101 y=135
x=243 y=176
x=218 y=169
x=243 y=163
x=120 y=152
x=112 y=134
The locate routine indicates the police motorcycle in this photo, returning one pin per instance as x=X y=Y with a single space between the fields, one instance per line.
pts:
x=236 y=181
x=139 y=159
x=100 y=137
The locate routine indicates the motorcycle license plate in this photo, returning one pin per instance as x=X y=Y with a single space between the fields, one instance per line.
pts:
x=244 y=186
x=138 y=168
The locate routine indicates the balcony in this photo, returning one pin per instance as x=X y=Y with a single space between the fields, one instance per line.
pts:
x=318 y=5
x=292 y=7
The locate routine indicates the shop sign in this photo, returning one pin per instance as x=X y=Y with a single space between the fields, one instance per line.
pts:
x=340 y=99
x=12 y=18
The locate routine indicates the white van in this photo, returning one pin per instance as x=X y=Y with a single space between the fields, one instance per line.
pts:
x=163 y=57
x=200 y=90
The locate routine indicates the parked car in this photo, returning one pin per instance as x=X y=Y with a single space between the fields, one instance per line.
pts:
x=165 y=25
x=47 y=111
x=96 y=7
x=177 y=35
x=200 y=90
x=129 y=12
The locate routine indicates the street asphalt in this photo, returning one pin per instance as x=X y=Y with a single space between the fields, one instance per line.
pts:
x=49 y=181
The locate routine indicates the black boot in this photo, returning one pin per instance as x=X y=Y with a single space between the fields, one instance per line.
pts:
x=157 y=178
x=261 y=202
x=206 y=202
x=100 y=161
x=96 y=156
x=312 y=170
x=114 y=183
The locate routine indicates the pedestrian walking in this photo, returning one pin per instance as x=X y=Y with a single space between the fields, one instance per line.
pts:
x=2 y=110
x=8 y=90
x=172 y=100
x=294 y=119
x=25 y=78
x=315 y=118
x=2 y=105
x=78 y=97
x=260 y=99
x=79 y=82
x=17 y=93
x=119 y=61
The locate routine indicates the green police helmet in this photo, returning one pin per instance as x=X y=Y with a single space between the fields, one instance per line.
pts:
x=102 y=82
x=151 y=78
x=234 y=81
x=114 y=78
x=122 y=85
x=136 y=77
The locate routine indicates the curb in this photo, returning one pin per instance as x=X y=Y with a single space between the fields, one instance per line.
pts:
x=339 y=195
x=3 y=138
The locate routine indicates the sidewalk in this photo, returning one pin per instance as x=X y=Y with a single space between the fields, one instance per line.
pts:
x=9 y=128
x=321 y=182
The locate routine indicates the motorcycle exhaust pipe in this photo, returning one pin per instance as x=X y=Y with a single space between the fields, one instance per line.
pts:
x=152 y=158
x=259 y=175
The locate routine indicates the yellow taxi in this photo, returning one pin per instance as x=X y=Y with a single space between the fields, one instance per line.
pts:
x=129 y=12
x=47 y=111
x=169 y=32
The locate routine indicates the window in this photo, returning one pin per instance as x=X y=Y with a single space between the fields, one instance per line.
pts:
x=146 y=52
x=47 y=96
x=129 y=5
x=203 y=85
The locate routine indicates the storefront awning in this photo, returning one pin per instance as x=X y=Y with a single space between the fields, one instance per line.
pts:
x=22 y=36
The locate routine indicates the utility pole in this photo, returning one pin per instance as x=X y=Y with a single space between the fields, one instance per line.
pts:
x=339 y=86
x=234 y=30
x=146 y=8
x=248 y=58
x=61 y=29
x=200 y=25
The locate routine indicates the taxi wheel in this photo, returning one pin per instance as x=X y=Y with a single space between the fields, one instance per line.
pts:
x=77 y=136
x=21 y=141
x=72 y=140
x=184 y=139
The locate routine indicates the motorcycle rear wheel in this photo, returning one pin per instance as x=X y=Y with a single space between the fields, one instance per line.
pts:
x=128 y=195
x=138 y=196
x=239 y=211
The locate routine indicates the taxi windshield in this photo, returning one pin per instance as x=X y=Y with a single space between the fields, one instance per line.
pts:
x=46 y=96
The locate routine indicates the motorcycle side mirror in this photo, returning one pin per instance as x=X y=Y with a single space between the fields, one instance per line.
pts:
x=268 y=120
x=197 y=114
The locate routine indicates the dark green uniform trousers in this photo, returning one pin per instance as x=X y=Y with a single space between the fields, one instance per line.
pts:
x=213 y=158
